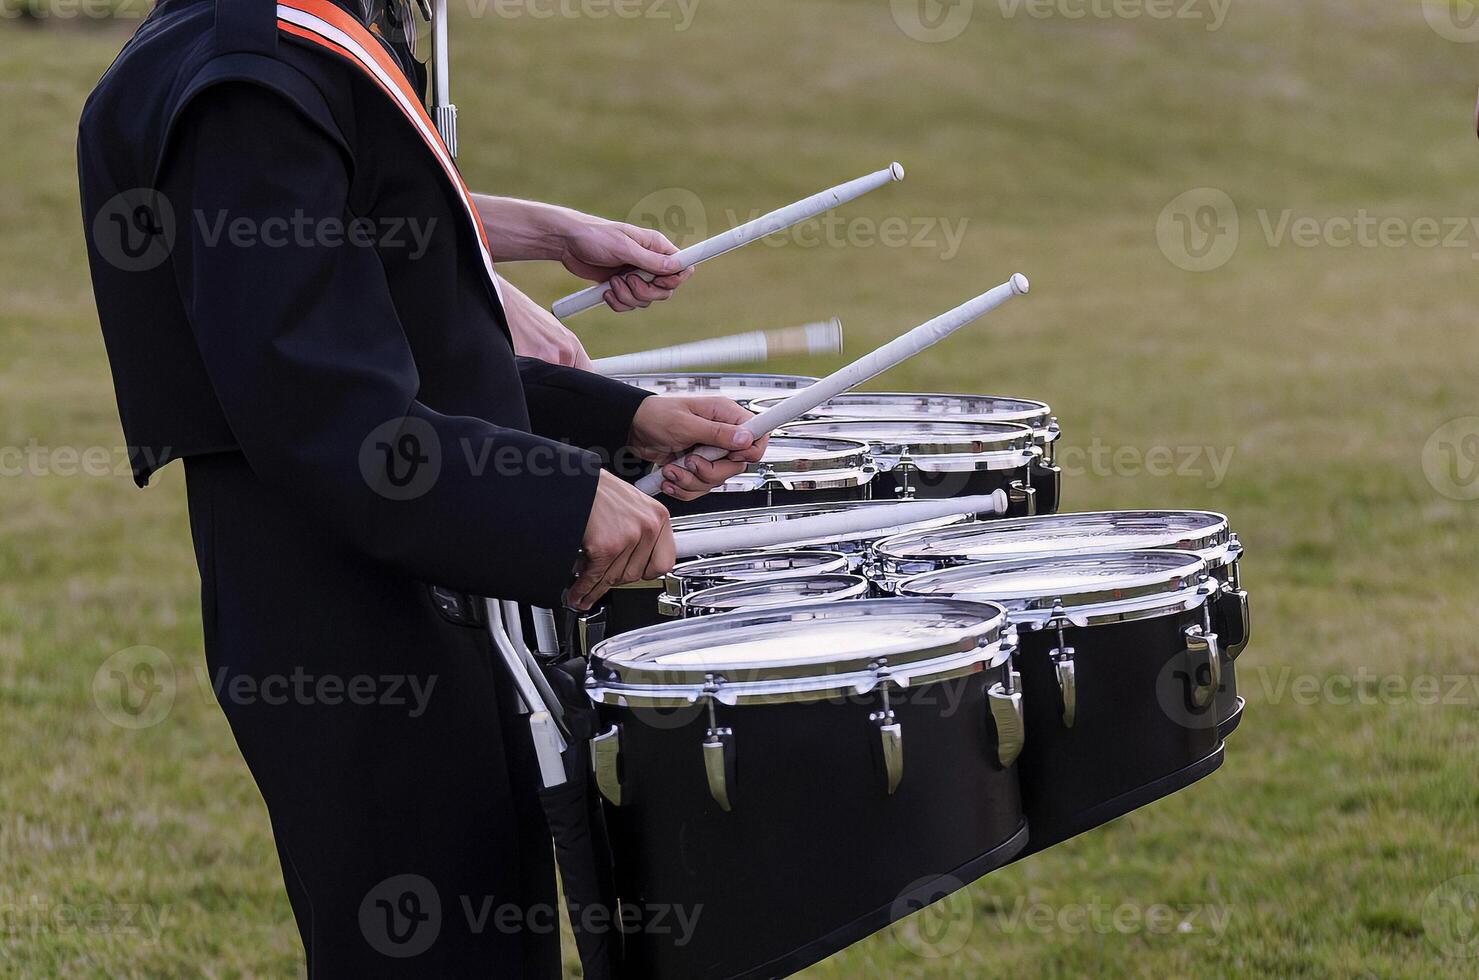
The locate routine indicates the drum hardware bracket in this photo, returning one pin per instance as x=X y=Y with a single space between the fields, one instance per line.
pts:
x=890 y=732
x=1024 y=495
x=592 y=629
x=1203 y=654
x=1063 y=666
x=1006 y=709
x=719 y=756
x=606 y=764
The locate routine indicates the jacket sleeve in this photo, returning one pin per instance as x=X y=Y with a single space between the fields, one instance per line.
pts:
x=307 y=356
x=579 y=407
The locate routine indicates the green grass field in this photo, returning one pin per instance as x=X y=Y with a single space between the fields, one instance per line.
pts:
x=1342 y=836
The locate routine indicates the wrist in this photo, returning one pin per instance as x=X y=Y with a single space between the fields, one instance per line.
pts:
x=525 y=230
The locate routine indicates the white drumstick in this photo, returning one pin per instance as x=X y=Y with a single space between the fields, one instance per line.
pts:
x=891 y=354
x=743 y=348
x=746 y=537
x=744 y=234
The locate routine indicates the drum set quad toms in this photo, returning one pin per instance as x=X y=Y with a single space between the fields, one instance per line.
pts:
x=808 y=740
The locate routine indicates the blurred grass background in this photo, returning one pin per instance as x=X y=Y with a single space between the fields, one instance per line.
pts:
x=1329 y=843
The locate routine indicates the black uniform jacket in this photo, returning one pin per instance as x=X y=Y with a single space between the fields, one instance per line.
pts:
x=285 y=266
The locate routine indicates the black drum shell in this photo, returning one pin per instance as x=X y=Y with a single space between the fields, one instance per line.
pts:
x=632 y=607
x=815 y=854
x=1133 y=740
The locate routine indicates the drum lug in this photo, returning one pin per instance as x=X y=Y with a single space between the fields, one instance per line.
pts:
x=891 y=746
x=1006 y=706
x=606 y=764
x=592 y=630
x=1237 y=599
x=890 y=735
x=1064 y=668
x=1205 y=660
x=1022 y=499
x=1006 y=714
x=720 y=767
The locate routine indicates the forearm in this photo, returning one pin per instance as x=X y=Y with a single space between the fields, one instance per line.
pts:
x=524 y=230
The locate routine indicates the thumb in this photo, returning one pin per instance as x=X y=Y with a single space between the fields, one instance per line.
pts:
x=650 y=251
x=722 y=435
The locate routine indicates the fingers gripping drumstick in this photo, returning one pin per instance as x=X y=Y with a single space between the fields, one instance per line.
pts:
x=891 y=354
x=744 y=234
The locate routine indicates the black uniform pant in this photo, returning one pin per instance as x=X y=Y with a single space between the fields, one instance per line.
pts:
x=399 y=777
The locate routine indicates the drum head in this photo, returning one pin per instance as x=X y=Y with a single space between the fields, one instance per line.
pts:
x=753 y=567
x=919 y=437
x=793 y=591
x=1113 y=586
x=846 y=543
x=795 y=652
x=907 y=405
x=1202 y=532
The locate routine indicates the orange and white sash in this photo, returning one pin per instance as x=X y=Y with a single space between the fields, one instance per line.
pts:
x=323 y=23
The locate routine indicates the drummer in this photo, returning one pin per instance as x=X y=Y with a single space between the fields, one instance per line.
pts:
x=355 y=429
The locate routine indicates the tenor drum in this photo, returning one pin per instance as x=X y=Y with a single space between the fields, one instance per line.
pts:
x=924 y=459
x=634 y=606
x=742 y=388
x=743 y=569
x=1120 y=668
x=747 y=596
x=793 y=774
x=1038 y=416
x=857 y=546
x=795 y=470
x=1207 y=534
x=642 y=604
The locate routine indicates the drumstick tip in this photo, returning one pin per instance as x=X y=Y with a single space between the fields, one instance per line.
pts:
x=1020 y=285
x=897 y=169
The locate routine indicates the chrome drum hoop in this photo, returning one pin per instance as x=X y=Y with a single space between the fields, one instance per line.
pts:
x=978 y=639
x=751 y=566
x=858 y=547
x=914 y=553
x=1168 y=583
x=805 y=463
x=799 y=589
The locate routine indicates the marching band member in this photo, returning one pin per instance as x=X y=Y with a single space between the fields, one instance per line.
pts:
x=356 y=429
